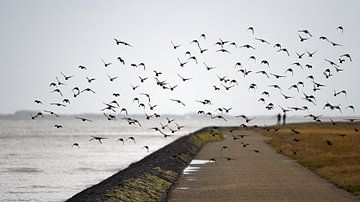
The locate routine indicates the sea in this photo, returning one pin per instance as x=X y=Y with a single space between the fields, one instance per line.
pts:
x=38 y=161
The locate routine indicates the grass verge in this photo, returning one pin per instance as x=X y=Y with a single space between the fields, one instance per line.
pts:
x=332 y=150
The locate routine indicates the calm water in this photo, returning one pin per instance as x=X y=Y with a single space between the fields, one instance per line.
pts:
x=38 y=163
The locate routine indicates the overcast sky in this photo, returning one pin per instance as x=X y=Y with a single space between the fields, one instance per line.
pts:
x=40 y=39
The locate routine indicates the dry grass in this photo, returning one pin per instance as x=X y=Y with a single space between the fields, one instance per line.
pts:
x=338 y=162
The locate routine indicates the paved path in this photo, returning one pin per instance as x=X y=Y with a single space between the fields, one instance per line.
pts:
x=265 y=176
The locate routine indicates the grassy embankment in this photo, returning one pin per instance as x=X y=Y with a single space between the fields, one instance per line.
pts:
x=151 y=178
x=331 y=150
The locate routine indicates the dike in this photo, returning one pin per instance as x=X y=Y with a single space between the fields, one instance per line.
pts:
x=151 y=178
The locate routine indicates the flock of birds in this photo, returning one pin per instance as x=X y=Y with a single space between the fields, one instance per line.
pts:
x=268 y=90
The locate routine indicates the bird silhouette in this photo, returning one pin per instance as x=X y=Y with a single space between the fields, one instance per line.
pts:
x=224 y=148
x=311 y=54
x=106 y=64
x=52 y=113
x=346 y=55
x=122 y=140
x=83 y=119
x=98 y=138
x=58 y=126
x=146 y=147
x=131 y=138
x=175 y=46
x=82 y=67
x=89 y=80
x=183 y=78
x=57 y=91
x=306 y=32
x=122 y=61
x=262 y=40
x=112 y=78
x=76 y=145
x=340 y=28
x=118 y=42
x=251 y=29
x=302 y=39
x=66 y=77
x=178 y=101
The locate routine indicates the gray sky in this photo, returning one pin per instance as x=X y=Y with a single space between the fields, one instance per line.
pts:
x=40 y=39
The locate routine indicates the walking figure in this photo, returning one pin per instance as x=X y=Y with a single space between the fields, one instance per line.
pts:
x=278 y=119
x=284 y=118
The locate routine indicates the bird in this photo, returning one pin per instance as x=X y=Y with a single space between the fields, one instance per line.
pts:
x=251 y=29
x=38 y=102
x=184 y=79
x=351 y=107
x=51 y=112
x=302 y=39
x=275 y=86
x=340 y=28
x=178 y=101
x=67 y=101
x=306 y=32
x=89 y=80
x=106 y=64
x=118 y=42
x=58 y=126
x=262 y=40
x=112 y=78
x=83 y=119
x=202 y=50
x=131 y=138
x=218 y=117
x=247 y=46
x=146 y=147
x=122 y=140
x=328 y=142
x=82 y=67
x=58 y=104
x=224 y=147
x=227 y=110
x=88 y=90
x=98 y=138
x=284 y=50
x=193 y=58
x=76 y=145
x=66 y=77
x=58 y=91
x=37 y=115
x=300 y=55
x=223 y=50
x=147 y=95
x=311 y=54
x=265 y=62
x=122 y=61
x=285 y=96
x=182 y=64
x=277 y=76
x=346 y=55
x=263 y=72
x=175 y=46
x=169 y=120
x=142 y=79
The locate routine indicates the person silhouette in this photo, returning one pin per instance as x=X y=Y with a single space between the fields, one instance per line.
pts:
x=278 y=119
x=284 y=118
